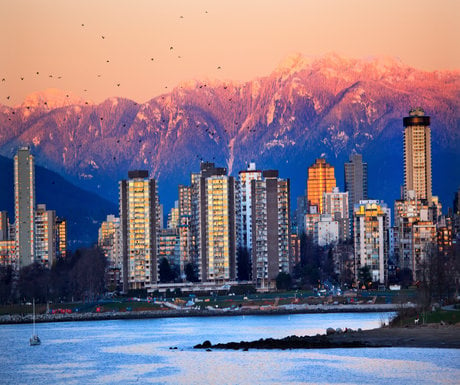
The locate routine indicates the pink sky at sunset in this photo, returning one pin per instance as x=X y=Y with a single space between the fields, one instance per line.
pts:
x=192 y=39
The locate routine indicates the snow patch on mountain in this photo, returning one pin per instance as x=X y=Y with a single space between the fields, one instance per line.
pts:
x=291 y=65
x=51 y=97
x=93 y=164
x=283 y=142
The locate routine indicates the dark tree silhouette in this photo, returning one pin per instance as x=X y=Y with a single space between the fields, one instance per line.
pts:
x=88 y=274
x=365 y=277
x=165 y=271
x=33 y=283
x=244 y=264
x=283 y=281
x=6 y=284
x=191 y=272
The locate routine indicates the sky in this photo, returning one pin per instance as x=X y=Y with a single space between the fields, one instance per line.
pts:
x=140 y=49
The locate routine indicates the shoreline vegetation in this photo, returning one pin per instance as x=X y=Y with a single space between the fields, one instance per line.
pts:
x=185 y=312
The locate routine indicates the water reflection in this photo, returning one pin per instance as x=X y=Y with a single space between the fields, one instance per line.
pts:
x=138 y=351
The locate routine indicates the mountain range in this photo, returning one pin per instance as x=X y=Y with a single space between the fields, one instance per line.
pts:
x=306 y=108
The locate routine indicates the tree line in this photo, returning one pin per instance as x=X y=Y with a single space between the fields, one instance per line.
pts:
x=81 y=276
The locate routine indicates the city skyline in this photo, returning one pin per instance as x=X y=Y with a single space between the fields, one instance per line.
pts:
x=192 y=173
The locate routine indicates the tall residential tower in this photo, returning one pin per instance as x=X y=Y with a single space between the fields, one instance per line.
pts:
x=321 y=180
x=270 y=228
x=417 y=154
x=355 y=181
x=24 y=206
x=140 y=223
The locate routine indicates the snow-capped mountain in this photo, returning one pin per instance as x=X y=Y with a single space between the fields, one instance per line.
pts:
x=305 y=108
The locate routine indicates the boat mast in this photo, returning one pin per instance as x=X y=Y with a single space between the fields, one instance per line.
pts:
x=33 y=315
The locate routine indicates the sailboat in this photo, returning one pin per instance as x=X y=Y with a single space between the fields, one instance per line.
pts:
x=34 y=340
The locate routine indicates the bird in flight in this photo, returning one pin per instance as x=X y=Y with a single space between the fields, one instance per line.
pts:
x=219 y=68
x=103 y=37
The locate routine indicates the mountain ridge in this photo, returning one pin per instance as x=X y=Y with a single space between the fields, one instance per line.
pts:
x=306 y=108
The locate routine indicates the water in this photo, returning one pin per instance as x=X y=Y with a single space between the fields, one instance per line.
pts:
x=138 y=352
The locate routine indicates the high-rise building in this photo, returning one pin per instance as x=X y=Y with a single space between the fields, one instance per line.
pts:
x=417 y=154
x=7 y=245
x=407 y=213
x=61 y=238
x=140 y=223
x=4 y=225
x=295 y=250
x=24 y=206
x=8 y=255
x=185 y=234
x=270 y=228
x=456 y=214
x=213 y=223
x=355 y=181
x=321 y=180
x=456 y=203
x=168 y=245
x=45 y=236
x=326 y=231
x=423 y=243
x=110 y=241
x=336 y=204
x=311 y=220
x=173 y=217
x=244 y=208
x=219 y=251
x=300 y=212
x=371 y=224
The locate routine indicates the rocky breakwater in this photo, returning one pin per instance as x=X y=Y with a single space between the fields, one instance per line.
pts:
x=426 y=336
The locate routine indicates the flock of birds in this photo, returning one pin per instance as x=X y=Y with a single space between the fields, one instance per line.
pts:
x=211 y=132
x=117 y=84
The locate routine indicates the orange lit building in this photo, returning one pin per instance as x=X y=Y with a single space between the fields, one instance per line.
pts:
x=321 y=180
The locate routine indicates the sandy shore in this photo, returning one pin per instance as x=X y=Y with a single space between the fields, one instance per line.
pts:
x=424 y=336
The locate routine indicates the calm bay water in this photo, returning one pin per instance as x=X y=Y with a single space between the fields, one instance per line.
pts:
x=138 y=352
